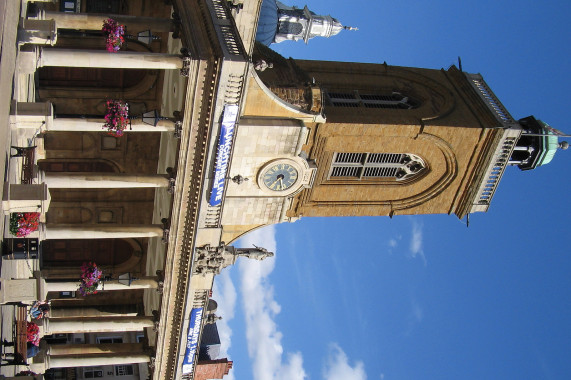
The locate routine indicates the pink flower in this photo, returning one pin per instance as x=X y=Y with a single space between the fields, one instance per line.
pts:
x=117 y=117
x=114 y=35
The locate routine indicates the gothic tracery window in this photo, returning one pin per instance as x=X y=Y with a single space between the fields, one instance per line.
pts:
x=361 y=166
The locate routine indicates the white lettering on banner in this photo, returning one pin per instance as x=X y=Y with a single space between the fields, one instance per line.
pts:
x=192 y=340
x=223 y=153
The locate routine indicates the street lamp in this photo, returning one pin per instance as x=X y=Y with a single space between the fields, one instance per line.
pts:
x=126 y=279
x=152 y=118
x=145 y=37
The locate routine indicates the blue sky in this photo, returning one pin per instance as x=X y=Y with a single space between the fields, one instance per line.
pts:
x=423 y=297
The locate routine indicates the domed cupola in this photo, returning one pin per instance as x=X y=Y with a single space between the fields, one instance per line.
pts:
x=279 y=22
x=537 y=145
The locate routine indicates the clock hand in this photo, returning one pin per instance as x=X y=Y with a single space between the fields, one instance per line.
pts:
x=281 y=184
x=273 y=183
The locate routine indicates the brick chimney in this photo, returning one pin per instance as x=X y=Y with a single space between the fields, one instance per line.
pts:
x=212 y=369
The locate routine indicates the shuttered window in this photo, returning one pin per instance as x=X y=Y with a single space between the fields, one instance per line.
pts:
x=376 y=165
x=355 y=99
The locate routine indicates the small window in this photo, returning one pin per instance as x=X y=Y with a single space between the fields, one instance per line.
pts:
x=399 y=166
x=109 y=339
x=124 y=370
x=92 y=372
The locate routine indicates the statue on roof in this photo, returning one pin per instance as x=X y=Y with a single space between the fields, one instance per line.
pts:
x=212 y=259
x=279 y=22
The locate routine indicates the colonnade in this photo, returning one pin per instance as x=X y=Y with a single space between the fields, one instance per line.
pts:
x=34 y=35
x=42 y=30
x=80 y=355
x=40 y=116
x=90 y=319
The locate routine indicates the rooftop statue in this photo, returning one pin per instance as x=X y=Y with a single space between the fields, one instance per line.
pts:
x=257 y=253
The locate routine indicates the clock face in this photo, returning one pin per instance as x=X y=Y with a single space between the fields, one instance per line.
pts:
x=280 y=177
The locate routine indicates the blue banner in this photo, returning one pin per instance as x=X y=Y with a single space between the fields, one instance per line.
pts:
x=192 y=339
x=223 y=153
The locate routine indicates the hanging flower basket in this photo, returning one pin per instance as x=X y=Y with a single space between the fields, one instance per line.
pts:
x=113 y=34
x=90 y=278
x=116 y=118
x=33 y=333
x=24 y=223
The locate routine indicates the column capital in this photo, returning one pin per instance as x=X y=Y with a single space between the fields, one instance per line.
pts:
x=29 y=59
x=37 y=116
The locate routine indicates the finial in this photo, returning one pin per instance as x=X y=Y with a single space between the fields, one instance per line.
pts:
x=350 y=28
x=563 y=145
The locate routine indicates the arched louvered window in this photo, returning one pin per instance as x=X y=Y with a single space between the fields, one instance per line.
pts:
x=289 y=27
x=360 y=166
x=354 y=99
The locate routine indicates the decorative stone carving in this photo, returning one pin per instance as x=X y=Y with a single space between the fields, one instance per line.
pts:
x=212 y=318
x=214 y=259
x=262 y=65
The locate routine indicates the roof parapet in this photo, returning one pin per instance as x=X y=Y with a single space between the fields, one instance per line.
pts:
x=493 y=103
x=495 y=170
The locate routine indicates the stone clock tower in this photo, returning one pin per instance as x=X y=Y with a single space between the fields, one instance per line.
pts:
x=322 y=138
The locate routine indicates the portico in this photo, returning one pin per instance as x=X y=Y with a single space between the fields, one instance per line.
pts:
x=112 y=191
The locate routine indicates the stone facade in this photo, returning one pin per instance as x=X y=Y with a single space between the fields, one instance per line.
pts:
x=149 y=208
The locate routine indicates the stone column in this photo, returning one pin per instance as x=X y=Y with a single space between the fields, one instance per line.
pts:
x=94 y=21
x=40 y=117
x=39 y=32
x=32 y=289
x=104 y=59
x=93 y=311
x=72 y=286
x=99 y=231
x=25 y=198
x=111 y=358
x=101 y=324
x=102 y=180
x=96 y=125
x=94 y=349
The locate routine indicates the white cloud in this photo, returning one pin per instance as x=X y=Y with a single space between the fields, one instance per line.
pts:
x=415 y=247
x=337 y=366
x=260 y=310
x=293 y=369
x=393 y=243
x=415 y=316
x=224 y=293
